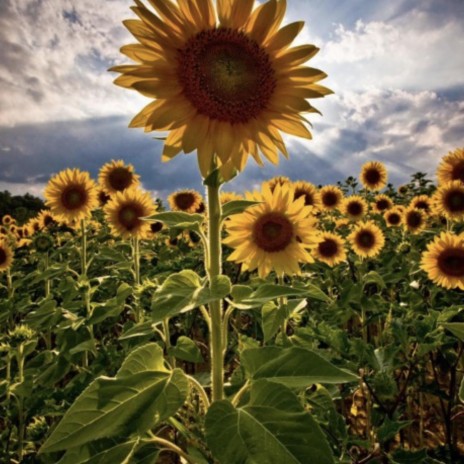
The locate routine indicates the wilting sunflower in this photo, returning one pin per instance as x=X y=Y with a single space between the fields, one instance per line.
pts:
x=451 y=167
x=331 y=250
x=273 y=235
x=309 y=192
x=414 y=220
x=448 y=200
x=225 y=86
x=6 y=255
x=367 y=239
x=278 y=180
x=71 y=195
x=116 y=176
x=354 y=207
x=423 y=202
x=373 y=175
x=394 y=217
x=382 y=203
x=46 y=219
x=443 y=260
x=125 y=210
x=188 y=201
x=225 y=197
x=7 y=220
x=331 y=197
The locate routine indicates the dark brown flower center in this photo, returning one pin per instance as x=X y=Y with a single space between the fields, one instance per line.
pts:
x=365 y=239
x=273 y=232
x=451 y=262
x=372 y=176
x=422 y=204
x=48 y=220
x=156 y=226
x=184 y=200
x=103 y=198
x=457 y=172
x=454 y=201
x=413 y=219
x=2 y=256
x=354 y=208
x=7 y=220
x=201 y=208
x=226 y=75
x=394 y=219
x=120 y=178
x=129 y=214
x=328 y=248
x=383 y=204
x=329 y=199
x=74 y=197
x=309 y=197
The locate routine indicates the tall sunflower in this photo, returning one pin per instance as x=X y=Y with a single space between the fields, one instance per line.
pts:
x=414 y=220
x=187 y=200
x=423 y=202
x=273 y=235
x=331 y=249
x=7 y=220
x=443 y=261
x=331 y=197
x=227 y=86
x=448 y=200
x=367 y=239
x=373 y=175
x=393 y=217
x=382 y=203
x=116 y=176
x=6 y=255
x=46 y=219
x=354 y=207
x=451 y=167
x=71 y=195
x=309 y=192
x=125 y=210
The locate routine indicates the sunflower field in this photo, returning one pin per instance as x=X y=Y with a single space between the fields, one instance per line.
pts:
x=297 y=323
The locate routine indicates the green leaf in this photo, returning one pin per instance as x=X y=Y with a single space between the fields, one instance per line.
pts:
x=187 y=350
x=47 y=315
x=236 y=207
x=272 y=316
x=402 y=456
x=273 y=427
x=456 y=328
x=119 y=406
x=390 y=428
x=148 y=357
x=373 y=277
x=220 y=287
x=178 y=220
x=139 y=330
x=295 y=367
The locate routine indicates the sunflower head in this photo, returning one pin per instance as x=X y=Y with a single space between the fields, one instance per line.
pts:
x=116 y=176
x=309 y=192
x=423 y=202
x=451 y=167
x=125 y=210
x=443 y=261
x=394 y=217
x=373 y=175
x=7 y=220
x=382 y=203
x=414 y=220
x=46 y=219
x=331 y=249
x=43 y=243
x=354 y=207
x=273 y=235
x=277 y=180
x=6 y=255
x=403 y=189
x=71 y=195
x=188 y=201
x=448 y=200
x=331 y=197
x=224 y=81
x=367 y=239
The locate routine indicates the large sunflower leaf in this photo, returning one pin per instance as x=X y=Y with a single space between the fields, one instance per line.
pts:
x=236 y=207
x=295 y=367
x=456 y=328
x=272 y=427
x=178 y=220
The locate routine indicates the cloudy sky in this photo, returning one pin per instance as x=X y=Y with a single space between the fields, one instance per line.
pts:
x=396 y=67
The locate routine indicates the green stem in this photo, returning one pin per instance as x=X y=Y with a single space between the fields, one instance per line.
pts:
x=136 y=257
x=21 y=425
x=167 y=445
x=167 y=341
x=86 y=295
x=83 y=249
x=10 y=290
x=200 y=390
x=47 y=281
x=214 y=269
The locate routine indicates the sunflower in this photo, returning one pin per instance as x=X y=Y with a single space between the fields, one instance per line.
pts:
x=225 y=86
x=367 y=239
x=448 y=200
x=451 y=167
x=382 y=203
x=278 y=180
x=71 y=195
x=46 y=219
x=354 y=207
x=423 y=202
x=394 y=216
x=373 y=175
x=103 y=197
x=274 y=235
x=225 y=197
x=125 y=210
x=7 y=220
x=331 y=250
x=342 y=223
x=188 y=201
x=35 y=225
x=116 y=176
x=331 y=197
x=403 y=189
x=443 y=260
x=309 y=192
x=414 y=220
x=6 y=255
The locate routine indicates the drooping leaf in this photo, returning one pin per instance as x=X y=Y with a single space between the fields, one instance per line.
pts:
x=178 y=220
x=272 y=427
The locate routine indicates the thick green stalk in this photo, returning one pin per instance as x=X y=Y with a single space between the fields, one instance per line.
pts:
x=86 y=295
x=136 y=256
x=214 y=269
